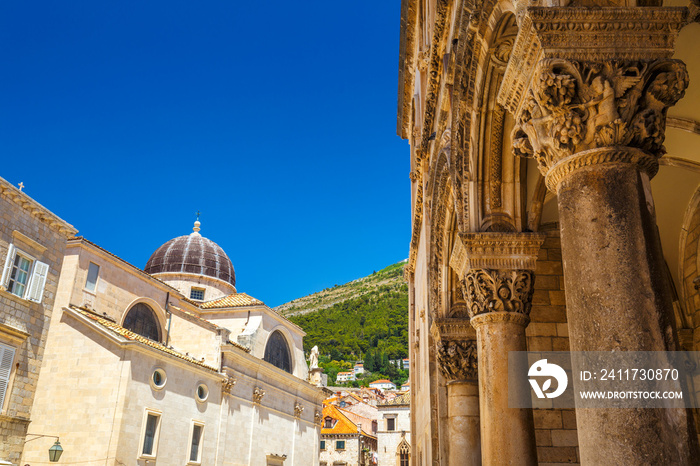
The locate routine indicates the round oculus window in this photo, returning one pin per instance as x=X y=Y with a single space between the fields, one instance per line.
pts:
x=158 y=378
x=202 y=393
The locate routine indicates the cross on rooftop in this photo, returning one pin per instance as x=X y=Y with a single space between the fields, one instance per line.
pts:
x=21 y=185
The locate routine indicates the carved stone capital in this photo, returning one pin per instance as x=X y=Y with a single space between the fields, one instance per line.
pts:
x=258 y=394
x=227 y=384
x=587 y=34
x=496 y=291
x=298 y=410
x=458 y=359
x=580 y=113
x=318 y=418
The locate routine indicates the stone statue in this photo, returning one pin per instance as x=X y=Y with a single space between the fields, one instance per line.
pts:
x=313 y=358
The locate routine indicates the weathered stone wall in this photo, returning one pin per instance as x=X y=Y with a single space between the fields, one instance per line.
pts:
x=555 y=429
x=24 y=324
x=348 y=456
x=388 y=441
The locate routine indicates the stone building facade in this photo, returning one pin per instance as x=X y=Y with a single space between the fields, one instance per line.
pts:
x=547 y=217
x=347 y=438
x=137 y=372
x=394 y=431
x=32 y=243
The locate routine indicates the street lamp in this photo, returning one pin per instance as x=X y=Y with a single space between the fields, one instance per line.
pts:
x=55 y=451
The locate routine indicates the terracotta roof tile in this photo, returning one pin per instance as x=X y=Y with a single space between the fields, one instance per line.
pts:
x=344 y=424
x=232 y=300
x=403 y=399
x=129 y=335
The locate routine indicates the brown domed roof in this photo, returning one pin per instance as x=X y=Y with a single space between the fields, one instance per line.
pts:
x=194 y=254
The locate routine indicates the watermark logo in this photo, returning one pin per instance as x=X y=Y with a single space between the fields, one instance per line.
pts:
x=544 y=369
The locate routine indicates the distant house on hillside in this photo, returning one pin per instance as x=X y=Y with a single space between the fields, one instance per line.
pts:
x=382 y=384
x=406 y=386
x=345 y=376
x=359 y=368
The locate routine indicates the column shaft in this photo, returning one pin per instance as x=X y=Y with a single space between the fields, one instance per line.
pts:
x=618 y=299
x=507 y=434
x=463 y=421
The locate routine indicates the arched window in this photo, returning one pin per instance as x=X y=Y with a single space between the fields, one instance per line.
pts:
x=277 y=352
x=142 y=320
x=403 y=452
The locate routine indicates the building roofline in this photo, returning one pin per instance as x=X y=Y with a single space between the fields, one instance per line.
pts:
x=37 y=210
x=124 y=337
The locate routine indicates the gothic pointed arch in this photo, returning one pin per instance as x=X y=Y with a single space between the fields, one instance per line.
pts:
x=403 y=453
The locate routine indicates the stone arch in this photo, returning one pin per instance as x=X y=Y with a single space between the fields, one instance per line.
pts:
x=441 y=189
x=497 y=171
x=278 y=351
x=142 y=319
x=689 y=260
x=492 y=198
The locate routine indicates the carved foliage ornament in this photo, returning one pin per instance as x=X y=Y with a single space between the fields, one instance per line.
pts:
x=298 y=410
x=458 y=359
x=577 y=106
x=258 y=394
x=498 y=291
x=227 y=384
x=318 y=418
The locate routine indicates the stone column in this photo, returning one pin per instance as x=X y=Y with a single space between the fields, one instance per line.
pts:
x=497 y=271
x=457 y=359
x=593 y=116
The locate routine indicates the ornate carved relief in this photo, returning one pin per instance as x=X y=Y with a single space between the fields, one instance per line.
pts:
x=227 y=384
x=498 y=251
x=499 y=291
x=258 y=394
x=586 y=34
x=501 y=52
x=496 y=161
x=576 y=106
x=298 y=410
x=318 y=418
x=458 y=359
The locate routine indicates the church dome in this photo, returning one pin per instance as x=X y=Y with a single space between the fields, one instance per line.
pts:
x=192 y=254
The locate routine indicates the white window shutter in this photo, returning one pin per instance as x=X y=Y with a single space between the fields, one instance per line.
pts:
x=8 y=265
x=36 y=286
x=7 y=355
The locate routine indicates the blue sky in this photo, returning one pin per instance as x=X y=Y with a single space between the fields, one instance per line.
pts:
x=276 y=120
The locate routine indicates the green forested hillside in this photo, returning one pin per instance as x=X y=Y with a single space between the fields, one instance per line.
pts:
x=369 y=322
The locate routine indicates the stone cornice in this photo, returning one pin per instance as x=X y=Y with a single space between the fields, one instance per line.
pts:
x=495 y=251
x=417 y=221
x=587 y=34
x=407 y=46
x=442 y=10
x=36 y=210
